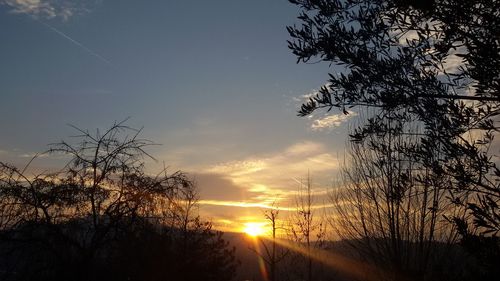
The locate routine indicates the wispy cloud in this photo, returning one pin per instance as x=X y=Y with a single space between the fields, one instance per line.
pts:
x=273 y=177
x=41 y=10
x=48 y=9
x=331 y=121
x=326 y=122
x=239 y=168
x=32 y=155
x=305 y=97
x=304 y=148
x=241 y=204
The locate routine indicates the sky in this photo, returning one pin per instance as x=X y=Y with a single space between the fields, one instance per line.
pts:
x=213 y=82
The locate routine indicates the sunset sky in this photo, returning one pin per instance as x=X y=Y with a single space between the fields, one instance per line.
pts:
x=212 y=81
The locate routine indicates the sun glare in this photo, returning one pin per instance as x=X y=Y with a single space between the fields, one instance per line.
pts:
x=254 y=229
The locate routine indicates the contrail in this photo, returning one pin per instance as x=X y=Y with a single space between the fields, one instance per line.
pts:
x=76 y=43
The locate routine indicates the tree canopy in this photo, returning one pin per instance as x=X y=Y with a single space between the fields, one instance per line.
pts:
x=427 y=74
x=432 y=63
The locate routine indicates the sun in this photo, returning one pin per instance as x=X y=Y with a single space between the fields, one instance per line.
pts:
x=254 y=229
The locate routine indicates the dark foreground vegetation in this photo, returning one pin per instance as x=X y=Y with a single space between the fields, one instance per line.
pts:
x=103 y=218
x=423 y=172
x=418 y=198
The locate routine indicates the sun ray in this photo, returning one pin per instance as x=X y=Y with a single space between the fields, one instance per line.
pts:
x=348 y=266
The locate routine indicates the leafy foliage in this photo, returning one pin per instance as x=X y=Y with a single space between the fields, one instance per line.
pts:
x=433 y=63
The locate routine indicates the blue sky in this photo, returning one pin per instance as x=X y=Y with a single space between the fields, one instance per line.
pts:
x=212 y=81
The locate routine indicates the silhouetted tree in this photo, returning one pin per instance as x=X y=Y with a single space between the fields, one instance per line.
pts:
x=434 y=63
x=390 y=209
x=268 y=249
x=307 y=230
x=397 y=55
x=69 y=225
x=485 y=253
x=153 y=252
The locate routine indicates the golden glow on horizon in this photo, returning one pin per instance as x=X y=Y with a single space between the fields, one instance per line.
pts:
x=255 y=229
